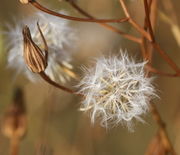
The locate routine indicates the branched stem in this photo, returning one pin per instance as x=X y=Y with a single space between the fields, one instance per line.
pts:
x=149 y=36
x=166 y=57
x=161 y=73
x=132 y=22
x=46 y=10
x=112 y=28
x=147 y=12
x=155 y=114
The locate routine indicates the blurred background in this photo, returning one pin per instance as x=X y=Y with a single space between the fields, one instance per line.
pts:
x=55 y=125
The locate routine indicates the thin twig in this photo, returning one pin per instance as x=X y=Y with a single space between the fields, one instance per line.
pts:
x=163 y=132
x=166 y=57
x=147 y=12
x=161 y=73
x=46 y=10
x=149 y=36
x=132 y=22
x=154 y=111
x=114 y=29
x=51 y=82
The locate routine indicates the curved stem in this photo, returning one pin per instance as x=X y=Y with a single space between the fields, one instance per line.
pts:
x=163 y=132
x=51 y=82
x=46 y=10
x=161 y=73
x=155 y=114
x=114 y=29
x=147 y=12
x=166 y=57
x=149 y=36
x=133 y=23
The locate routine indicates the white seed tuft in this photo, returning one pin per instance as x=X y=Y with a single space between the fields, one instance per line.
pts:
x=116 y=91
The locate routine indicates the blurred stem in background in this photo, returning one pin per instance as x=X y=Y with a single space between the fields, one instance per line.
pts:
x=14 y=123
x=2 y=57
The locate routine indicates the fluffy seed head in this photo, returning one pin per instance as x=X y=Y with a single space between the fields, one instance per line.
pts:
x=116 y=91
x=60 y=38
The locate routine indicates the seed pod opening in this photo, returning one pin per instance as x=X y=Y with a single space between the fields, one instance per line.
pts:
x=35 y=58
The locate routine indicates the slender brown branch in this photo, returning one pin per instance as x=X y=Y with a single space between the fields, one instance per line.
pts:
x=148 y=36
x=46 y=10
x=163 y=132
x=14 y=145
x=51 y=82
x=114 y=29
x=153 y=16
x=155 y=114
x=154 y=44
x=161 y=73
x=146 y=47
x=147 y=12
x=132 y=22
x=166 y=57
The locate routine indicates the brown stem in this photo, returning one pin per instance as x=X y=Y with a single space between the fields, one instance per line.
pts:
x=132 y=22
x=147 y=12
x=161 y=73
x=163 y=132
x=155 y=114
x=46 y=10
x=14 y=145
x=166 y=57
x=152 y=15
x=146 y=47
x=149 y=37
x=51 y=82
x=114 y=29
x=154 y=44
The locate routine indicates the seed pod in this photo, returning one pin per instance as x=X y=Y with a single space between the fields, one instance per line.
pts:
x=35 y=58
x=15 y=121
x=24 y=1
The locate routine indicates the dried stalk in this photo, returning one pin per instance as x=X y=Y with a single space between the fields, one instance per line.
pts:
x=149 y=37
x=114 y=29
x=156 y=116
x=162 y=127
x=127 y=36
x=53 y=83
x=46 y=10
x=14 y=145
x=128 y=18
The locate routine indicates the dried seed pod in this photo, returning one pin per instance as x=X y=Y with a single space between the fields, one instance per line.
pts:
x=35 y=58
x=15 y=122
x=61 y=39
x=24 y=1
